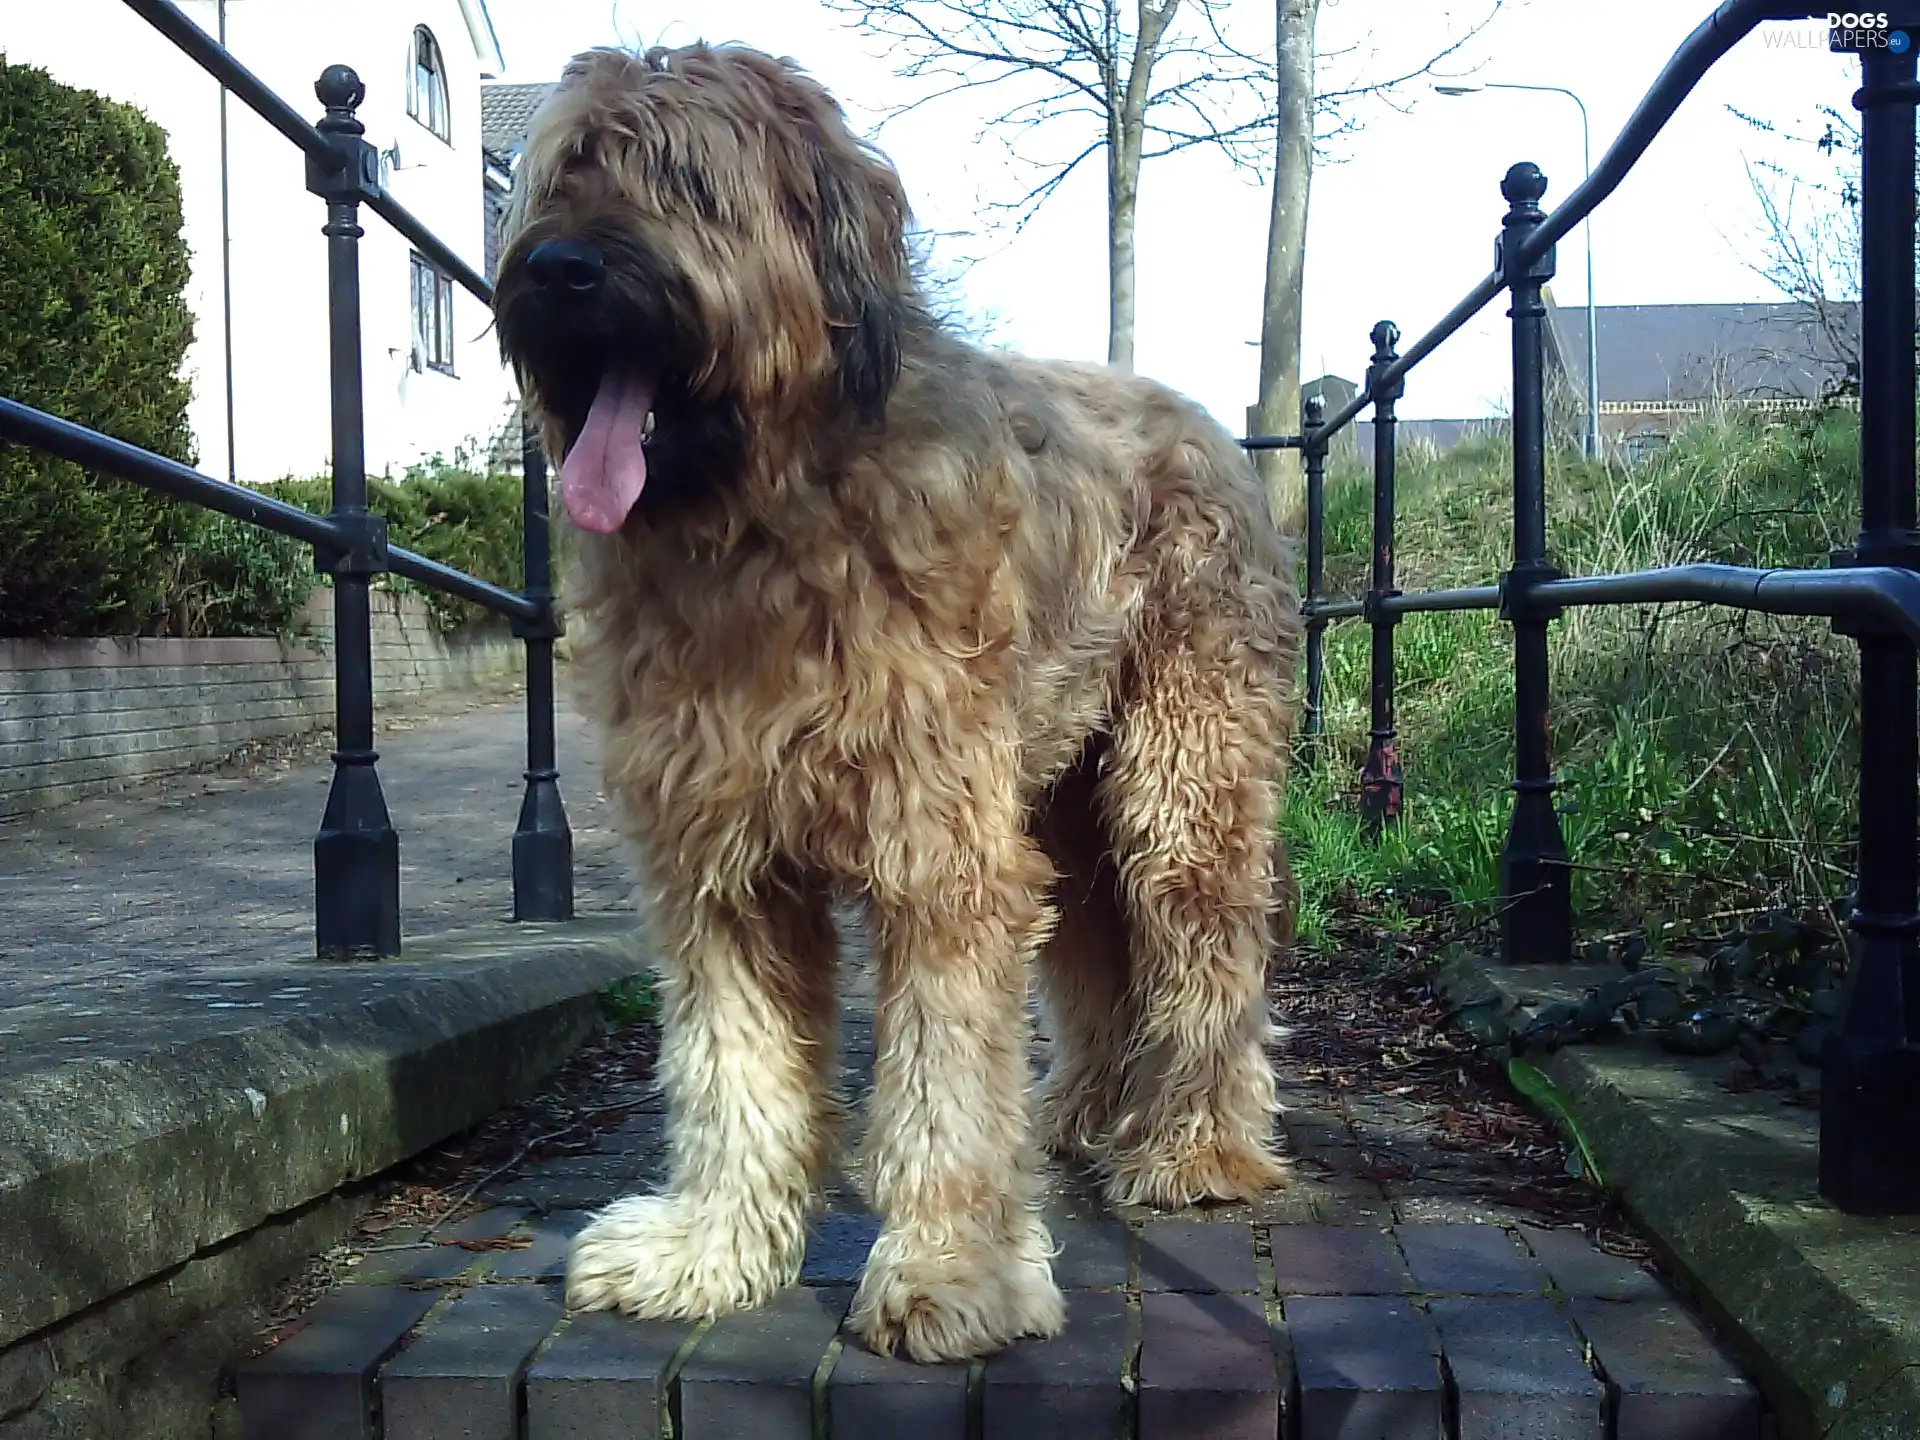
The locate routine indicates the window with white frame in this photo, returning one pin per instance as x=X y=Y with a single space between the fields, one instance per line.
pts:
x=432 y=317
x=427 y=85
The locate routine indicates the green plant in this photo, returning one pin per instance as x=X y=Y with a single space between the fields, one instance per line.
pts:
x=1531 y=1081
x=238 y=579
x=629 y=1001
x=450 y=510
x=93 y=328
x=463 y=516
x=1705 y=756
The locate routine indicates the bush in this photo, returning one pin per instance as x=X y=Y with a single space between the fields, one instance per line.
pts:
x=94 y=328
x=464 y=517
x=1706 y=757
x=232 y=578
x=452 y=511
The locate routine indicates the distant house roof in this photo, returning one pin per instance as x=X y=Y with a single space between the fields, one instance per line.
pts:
x=1654 y=353
x=505 y=113
x=1441 y=434
x=1337 y=390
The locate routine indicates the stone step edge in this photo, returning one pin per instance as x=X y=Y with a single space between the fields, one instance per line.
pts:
x=113 y=1170
x=1835 y=1356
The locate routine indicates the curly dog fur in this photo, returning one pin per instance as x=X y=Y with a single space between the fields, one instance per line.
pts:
x=1000 y=649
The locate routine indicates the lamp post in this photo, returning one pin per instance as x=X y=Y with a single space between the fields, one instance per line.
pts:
x=1592 y=438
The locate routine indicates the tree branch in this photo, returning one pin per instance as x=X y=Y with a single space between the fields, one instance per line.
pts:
x=1149 y=78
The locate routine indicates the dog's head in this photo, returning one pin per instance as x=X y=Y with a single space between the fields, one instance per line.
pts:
x=698 y=253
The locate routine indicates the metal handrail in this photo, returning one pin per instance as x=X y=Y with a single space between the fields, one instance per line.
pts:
x=38 y=430
x=257 y=96
x=1870 y=1063
x=1887 y=591
x=1697 y=54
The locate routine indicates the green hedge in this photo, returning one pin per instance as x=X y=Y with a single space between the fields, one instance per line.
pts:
x=231 y=578
x=94 y=327
x=452 y=511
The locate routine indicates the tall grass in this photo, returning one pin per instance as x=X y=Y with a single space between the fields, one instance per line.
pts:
x=1706 y=757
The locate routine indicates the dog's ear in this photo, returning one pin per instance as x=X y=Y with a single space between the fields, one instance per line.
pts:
x=861 y=255
x=852 y=202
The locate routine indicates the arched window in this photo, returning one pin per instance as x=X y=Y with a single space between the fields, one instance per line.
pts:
x=427 y=85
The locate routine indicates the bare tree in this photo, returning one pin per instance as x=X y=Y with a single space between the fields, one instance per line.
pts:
x=1277 y=410
x=1307 y=114
x=1135 y=80
x=1130 y=79
x=1810 y=229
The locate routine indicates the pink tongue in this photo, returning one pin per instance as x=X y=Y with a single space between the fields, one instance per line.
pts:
x=606 y=469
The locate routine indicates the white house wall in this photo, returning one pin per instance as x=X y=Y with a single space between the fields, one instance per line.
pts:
x=279 y=266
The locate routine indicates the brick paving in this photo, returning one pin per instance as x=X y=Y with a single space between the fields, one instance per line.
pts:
x=1192 y=1364
x=1332 y=1310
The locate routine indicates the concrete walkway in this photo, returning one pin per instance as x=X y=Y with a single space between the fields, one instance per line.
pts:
x=121 y=908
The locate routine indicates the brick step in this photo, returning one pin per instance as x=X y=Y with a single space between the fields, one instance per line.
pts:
x=1177 y=1330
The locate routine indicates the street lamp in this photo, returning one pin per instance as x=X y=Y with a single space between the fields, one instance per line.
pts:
x=1592 y=438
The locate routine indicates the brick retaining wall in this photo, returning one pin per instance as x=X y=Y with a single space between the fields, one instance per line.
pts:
x=82 y=717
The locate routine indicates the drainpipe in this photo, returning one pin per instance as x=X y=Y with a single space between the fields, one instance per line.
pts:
x=226 y=254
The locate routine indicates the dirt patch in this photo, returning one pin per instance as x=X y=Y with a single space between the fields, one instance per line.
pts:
x=1433 y=1119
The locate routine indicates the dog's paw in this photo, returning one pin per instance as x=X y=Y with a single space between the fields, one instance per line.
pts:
x=933 y=1306
x=1162 y=1181
x=652 y=1257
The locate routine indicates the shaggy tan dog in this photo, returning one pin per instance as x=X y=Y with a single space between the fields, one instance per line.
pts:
x=873 y=614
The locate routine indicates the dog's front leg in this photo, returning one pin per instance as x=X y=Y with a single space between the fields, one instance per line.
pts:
x=962 y=1266
x=746 y=1059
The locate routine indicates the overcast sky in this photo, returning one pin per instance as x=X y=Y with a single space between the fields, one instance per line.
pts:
x=1402 y=222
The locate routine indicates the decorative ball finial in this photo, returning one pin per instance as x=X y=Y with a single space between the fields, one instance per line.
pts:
x=1524 y=184
x=1316 y=408
x=339 y=88
x=1385 y=337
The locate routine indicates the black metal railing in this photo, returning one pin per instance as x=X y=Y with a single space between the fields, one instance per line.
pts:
x=356 y=852
x=1870 y=1106
x=1870 y=1087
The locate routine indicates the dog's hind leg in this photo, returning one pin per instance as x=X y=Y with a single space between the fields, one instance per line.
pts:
x=746 y=1060
x=1191 y=796
x=1083 y=971
x=1189 y=800
x=962 y=1265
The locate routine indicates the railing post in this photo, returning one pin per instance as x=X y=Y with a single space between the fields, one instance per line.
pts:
x=1313 y=454
x=542 y=842
x=1870 y=1080
x=356 y=854
x=1536 y=913
x=1380 y=777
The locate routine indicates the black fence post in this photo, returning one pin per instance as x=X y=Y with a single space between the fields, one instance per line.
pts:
x=1536 y=912
x=1870 y=1080
x=542 y=842
x=1313 y=457
x=1380 y=777
x=356 y=854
